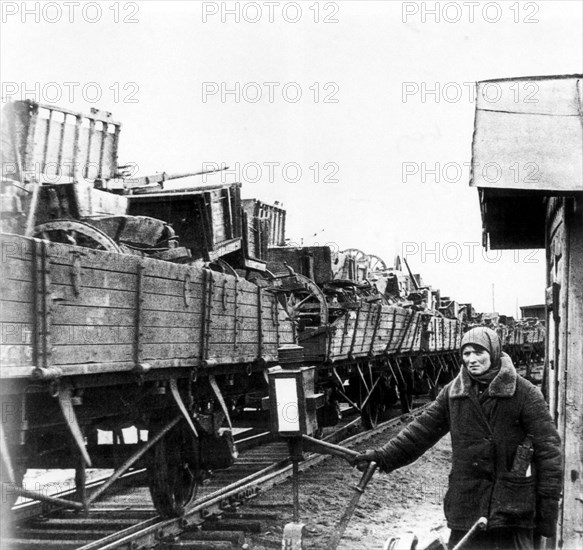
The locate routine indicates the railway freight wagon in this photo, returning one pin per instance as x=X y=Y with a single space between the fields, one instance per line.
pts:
x=150 y=302
x=524 y=341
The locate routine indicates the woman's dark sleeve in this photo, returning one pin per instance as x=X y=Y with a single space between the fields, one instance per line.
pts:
x=547 y=458
x=413 y=440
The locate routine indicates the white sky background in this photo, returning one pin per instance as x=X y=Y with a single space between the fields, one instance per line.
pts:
x=369 y=133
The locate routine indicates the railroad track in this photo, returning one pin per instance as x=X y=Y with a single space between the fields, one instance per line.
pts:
x=220 y=518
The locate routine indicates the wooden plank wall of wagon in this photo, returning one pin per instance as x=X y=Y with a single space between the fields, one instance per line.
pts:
x=92 y=304
x=236 y=330
x=171 y=320
x=433 y=340
x=57 y=147
x=217 y=215
x=93 y=310
x=363 y=332
x=404 y=344
x=395 y=325
x=386 y=329
x=251 y=226
x=16 y=303
x=449 y=332
x=398 y=331
x=454 y=333
x=394 y=329
x=416 y=330
x=443 y=337
x=342 y=336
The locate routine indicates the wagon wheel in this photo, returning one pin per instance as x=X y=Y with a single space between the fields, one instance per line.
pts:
x=306 y=299
x=375 y=263
x=174 y=470
x=76 y=233
x=371 y=413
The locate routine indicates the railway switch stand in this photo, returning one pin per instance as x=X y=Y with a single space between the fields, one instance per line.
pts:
x=293 y=405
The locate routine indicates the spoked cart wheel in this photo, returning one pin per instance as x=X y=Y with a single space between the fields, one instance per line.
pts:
x=375 y=263
x=76 y=233
x=303 y=300
x=174 y=469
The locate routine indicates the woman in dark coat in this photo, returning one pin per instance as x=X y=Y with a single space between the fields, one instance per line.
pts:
x=490 y=412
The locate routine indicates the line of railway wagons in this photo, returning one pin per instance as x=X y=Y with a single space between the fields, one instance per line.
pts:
x=160 y=303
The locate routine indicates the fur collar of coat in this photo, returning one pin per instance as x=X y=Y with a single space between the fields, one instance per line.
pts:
x=503 y=385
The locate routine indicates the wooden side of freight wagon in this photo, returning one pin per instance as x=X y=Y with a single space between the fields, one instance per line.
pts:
x=84 y=310
x=374 y=330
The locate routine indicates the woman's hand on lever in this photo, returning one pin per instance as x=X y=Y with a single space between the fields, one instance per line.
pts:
x=362 y=460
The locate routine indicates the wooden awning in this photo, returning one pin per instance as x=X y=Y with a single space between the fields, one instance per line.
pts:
x=527 y=146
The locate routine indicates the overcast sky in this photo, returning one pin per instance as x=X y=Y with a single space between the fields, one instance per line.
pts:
x=357 y=116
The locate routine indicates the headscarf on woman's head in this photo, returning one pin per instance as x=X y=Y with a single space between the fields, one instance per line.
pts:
x=489 y=340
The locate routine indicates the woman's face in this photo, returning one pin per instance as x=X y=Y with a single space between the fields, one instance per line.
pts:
x=476 y=359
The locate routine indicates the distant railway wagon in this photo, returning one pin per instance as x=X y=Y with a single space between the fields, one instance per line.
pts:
x=160 y=302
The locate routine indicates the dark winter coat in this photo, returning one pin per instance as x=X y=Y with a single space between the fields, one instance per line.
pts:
x=485 y=433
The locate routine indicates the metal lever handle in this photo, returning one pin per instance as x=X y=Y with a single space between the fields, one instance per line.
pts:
x=482 y=523
x=322 y=447
x=366 y=477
